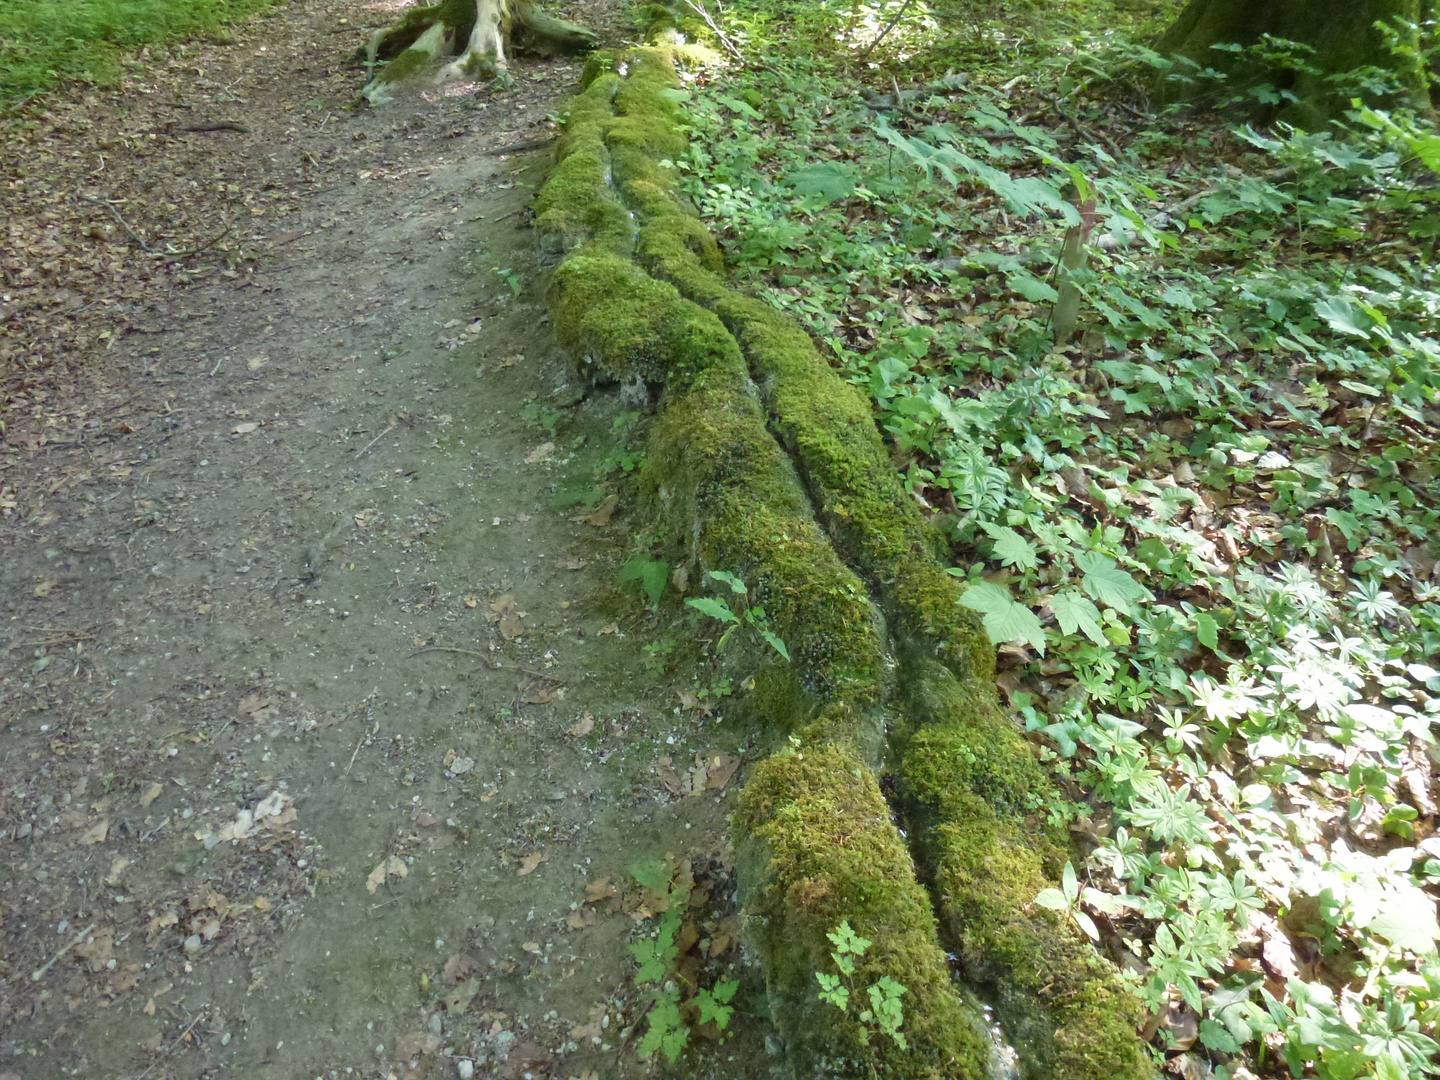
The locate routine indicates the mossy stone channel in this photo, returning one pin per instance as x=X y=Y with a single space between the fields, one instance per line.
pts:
x=763 y=462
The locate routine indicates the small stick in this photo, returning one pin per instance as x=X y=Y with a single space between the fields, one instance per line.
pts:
x=376 y=439
x=217 y=125
x=178 y=1040
x=363 y=739
x=126 y=226
x=528 y=671
x=884 y=33
x=520 y=147
x=39 y=973
x=195 y=250
x=448 y=648
x=216 y=368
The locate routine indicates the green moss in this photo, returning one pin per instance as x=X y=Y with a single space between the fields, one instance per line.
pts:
x=817 y=847
x=1062 y=1005
x=970 y=788
x=408 y=63
x=716 y=473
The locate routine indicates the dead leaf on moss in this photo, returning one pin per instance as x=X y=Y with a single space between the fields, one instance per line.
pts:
x=601 y=515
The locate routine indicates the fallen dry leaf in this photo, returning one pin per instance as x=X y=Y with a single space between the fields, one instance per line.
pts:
x=721 y=767
x=118 y=866
x=579 y=920
x=97 y=950
x=545 y=695
x=244 y=429
x=584 y=726
x=43 y=589
x=255 y=363
x=459 y=999
x=459 y=968
x=533 y=947
x=150 y=794
x=574 y=564
x=603 y=889
x=149 y=1009
x=610 y=628
x=96 y=833
x=393 y=867
x=543 y=452
x=530 y=862
x=602 y=514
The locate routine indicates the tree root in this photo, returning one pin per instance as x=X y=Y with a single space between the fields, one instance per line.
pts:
x=477 y=33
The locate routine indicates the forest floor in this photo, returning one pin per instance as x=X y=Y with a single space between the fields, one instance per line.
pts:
x=326 y=737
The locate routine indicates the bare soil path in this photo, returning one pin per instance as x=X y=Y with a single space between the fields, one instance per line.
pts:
x=325 y=739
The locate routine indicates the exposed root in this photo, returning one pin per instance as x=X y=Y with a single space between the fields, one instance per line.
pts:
x=481 y=32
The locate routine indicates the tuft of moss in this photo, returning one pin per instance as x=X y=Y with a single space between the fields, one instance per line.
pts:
x=970 y=788
x=816 y=847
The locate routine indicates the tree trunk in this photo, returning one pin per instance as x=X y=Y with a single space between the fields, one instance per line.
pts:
x=1342 y=33
x=479 y=31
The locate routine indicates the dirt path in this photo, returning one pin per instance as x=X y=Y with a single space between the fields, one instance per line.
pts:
x=319 y=709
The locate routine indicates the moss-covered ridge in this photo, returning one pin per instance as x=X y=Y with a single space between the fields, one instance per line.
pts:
x=958 y=744
x=730 y=499
x=735 y=501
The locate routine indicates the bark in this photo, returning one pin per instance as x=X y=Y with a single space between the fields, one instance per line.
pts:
x=1342 y=33
x=481 y=32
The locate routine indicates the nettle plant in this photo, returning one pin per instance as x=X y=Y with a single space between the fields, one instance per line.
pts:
x=1203 y=534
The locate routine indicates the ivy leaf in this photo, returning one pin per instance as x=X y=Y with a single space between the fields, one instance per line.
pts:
x=1074 y=612
x=1108 y=584
x=1005 y=619
x=1012 y=549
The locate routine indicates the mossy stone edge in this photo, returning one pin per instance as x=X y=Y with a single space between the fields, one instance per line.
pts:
x=639 y=294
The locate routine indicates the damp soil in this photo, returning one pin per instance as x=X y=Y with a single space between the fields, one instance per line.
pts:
x=328 y=733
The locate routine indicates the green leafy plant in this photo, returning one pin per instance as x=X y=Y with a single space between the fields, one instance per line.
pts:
x=1204 y=530
x=652 y=574
x=512 y=279
x=674 y=1003
x=751 y=617
x=885 y=1014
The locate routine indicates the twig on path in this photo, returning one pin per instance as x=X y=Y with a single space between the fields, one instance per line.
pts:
x=363 y=739
x=521 y=147
x=195 y=250
x=126 y=226
x=448 y=648
x=39 y=973
x=376 y=439
x=528 y=671
x=164 y=1053
x=216 y=125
